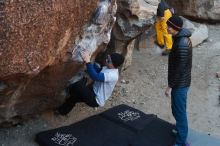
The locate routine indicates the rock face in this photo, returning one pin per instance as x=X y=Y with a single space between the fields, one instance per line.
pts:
x=199 y=31
x=133 y=18
x=199 y=9
x=35 y=32
x=40 y=45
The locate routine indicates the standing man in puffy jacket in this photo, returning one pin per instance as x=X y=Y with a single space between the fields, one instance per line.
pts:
x=163 y=37
x=179 y=76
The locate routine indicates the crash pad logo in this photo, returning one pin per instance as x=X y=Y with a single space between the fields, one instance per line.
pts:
x=129 y=115
x=64 y=139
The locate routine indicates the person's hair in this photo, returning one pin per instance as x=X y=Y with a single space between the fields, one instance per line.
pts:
x=117 y=59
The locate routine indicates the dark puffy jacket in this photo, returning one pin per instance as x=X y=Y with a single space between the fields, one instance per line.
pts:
x=180 y=60
x=163 y=6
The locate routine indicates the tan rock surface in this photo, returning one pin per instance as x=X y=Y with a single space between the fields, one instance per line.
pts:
x=208 y=10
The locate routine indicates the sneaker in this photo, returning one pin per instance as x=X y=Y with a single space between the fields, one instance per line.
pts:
x=66 y=107
x=187 y=144
x=165 y=53
x=161 y=46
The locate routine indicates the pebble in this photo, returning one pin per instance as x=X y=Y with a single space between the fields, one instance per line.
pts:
x=123 y=81
x=123 y=92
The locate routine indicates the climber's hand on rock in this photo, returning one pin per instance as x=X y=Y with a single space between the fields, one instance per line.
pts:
x=86 y=56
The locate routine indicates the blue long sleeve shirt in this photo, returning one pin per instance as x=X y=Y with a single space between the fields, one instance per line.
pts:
x=94 y=73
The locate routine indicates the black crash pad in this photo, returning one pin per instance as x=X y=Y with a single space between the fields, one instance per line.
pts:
x=128 y=117
x=119 y=126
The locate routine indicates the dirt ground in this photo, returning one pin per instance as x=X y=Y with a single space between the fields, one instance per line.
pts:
x=142 y=86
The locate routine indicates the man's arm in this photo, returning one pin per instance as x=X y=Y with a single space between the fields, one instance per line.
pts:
x=168 y=91
x=93 y=74
x=97 y=67
x=91 y=69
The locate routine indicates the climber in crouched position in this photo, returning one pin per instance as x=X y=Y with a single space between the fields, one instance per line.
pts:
x=96 y=93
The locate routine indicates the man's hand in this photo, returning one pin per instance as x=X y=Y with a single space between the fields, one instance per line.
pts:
x=168 y=92
x=86 y=56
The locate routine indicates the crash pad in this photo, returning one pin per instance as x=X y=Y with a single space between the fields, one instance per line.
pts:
x=118 y=126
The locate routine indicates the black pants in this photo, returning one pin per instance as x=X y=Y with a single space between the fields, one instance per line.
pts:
x=78 y=92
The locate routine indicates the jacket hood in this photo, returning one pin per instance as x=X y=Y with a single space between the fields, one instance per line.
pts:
x=184 y=33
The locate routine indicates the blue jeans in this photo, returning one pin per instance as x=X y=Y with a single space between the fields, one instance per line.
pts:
x=178 y=104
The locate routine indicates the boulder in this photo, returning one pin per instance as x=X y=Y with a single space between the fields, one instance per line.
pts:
x=208 y=10
x=40 y=46
x=199 y=31
x=133 y=18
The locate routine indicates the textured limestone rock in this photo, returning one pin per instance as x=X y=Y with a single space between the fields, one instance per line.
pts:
x=133 y=18
x=199 y=9
x=40 y=45
x=146 y=39
x=199 y=31
x=98 y=32
x=128 y=56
